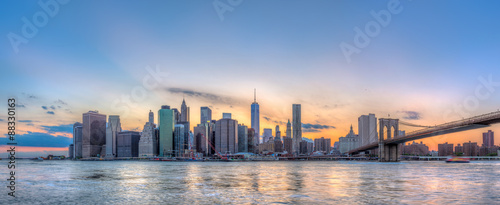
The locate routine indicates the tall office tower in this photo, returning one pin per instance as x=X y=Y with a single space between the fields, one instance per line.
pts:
x=127 y=144
x=177 y=115
x=179 y=142
x=277 y=132
x=205 y=115
x=251 y=141
x=148 y=143
x=267 y=135
x=114 y=127
x=202 y=133
x=226 y=136
x=77 y=139
x=71 y=151
x=185 y=140
x=184 y=112
x=93 y=134
x=488 y=139
x=297 y=127
x=255 y=118
x=151 y=117
x=289 y=129
x=166 y=127
x=288 y=144
x=242 y=138
x=367 y=129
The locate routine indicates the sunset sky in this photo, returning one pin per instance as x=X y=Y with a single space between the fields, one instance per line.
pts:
x=429 y=63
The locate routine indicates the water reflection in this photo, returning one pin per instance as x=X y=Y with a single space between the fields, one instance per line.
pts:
x=133 y=182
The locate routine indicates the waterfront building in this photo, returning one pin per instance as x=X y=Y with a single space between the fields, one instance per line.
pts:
x=242 y=138
x=93 y=134
x=127 y=144
x=148 y=143
x=303 y=147
x=114 y=127
x=252 y=148
x=185 y=141
x=226 y=136
x=488 y=139
x=349 y=142
x=179 y=141
x=415 y=149
x=322 y=144
x=297 y=127
x=71 y=151
x=266 y=147
x=205 y=115
x=177 y=115
x=487 y=151
x=166 y=131
x=267 y=135
x=278 y=144
x=367 y=129
x=77 y=139
x=255 y=121
x=445 y=149
x=202 y=134
x=471 y=149
x=288 y=144
x=459 y=149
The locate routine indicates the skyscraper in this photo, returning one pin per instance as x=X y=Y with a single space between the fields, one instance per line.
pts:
x=255 y=118
x=114 y=126
x=77 y=139
x=226 y=136
x=242 y=138
x=93 y=134
x=184 y=112
x=289 y=129
x=127 y=144
x=205 y=115
x=179 y=139
x=251 y=146
x=151 y=117
x=367 y=129
x=166 y=127
x=277 y=132
x=267 y=135
x=297 y=127
x=488 y=139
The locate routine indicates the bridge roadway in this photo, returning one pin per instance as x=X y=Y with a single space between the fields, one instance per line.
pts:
x=475 y=122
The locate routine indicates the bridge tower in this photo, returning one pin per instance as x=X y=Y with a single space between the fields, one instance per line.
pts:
x=388 y=152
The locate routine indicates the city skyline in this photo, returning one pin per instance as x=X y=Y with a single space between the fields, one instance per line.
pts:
x=423 y=69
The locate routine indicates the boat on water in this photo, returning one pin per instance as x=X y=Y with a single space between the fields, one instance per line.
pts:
x=457 y=160
x=37 y=159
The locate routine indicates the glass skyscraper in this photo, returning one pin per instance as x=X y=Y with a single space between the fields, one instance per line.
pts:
x=166 y=126
x=255 y=119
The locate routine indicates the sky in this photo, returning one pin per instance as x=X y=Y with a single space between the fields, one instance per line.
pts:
x=423 y=62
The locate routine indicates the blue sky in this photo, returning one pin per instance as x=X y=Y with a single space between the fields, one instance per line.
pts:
x=92 y=53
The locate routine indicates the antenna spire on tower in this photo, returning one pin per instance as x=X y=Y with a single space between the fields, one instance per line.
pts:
x=254 y=95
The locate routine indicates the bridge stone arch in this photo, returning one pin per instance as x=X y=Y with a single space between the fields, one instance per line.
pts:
x=388 y=152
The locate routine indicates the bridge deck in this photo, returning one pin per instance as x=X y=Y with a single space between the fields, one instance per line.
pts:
x=446 y=128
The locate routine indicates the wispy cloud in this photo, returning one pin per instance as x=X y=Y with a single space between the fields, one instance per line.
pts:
x=204 y=96
x=411 y=115
x=317 y=126
x=44 y=107
x=59 y=128
x=59 y=101
x=51 y=112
